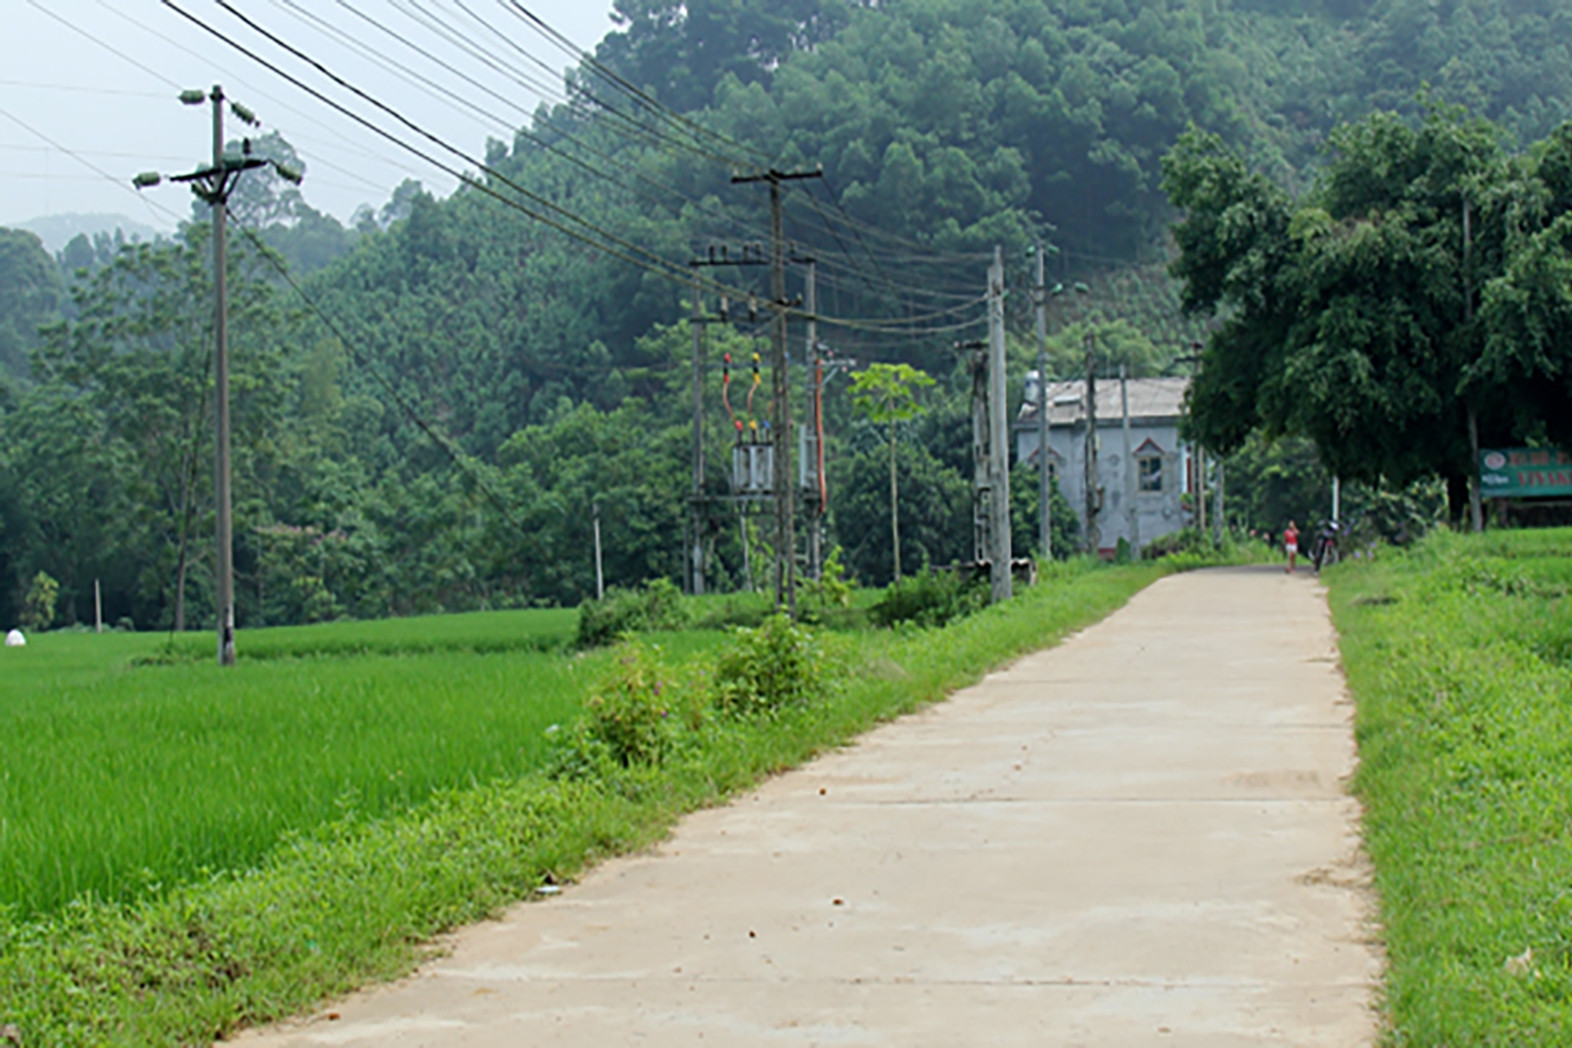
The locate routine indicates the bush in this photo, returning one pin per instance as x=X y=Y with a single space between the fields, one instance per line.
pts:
x=770 y=668
x=930 y=598
x=628 y=718
x=657 y=606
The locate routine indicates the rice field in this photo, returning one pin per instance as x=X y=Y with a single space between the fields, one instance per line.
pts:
x=122 y=777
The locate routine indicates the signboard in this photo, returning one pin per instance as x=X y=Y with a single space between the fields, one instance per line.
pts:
x=1525 y=473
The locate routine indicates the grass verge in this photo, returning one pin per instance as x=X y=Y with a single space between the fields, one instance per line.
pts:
x=355 y=901
x=1457 y=656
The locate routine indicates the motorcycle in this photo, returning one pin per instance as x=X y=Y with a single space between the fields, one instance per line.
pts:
x=1325 y=548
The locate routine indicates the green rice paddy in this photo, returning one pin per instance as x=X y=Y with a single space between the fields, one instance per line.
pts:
x=122 y=778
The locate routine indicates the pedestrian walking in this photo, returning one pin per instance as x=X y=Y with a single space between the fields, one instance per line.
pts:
x=1291 y=545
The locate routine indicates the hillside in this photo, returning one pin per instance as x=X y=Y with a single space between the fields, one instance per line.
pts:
x=554 y=369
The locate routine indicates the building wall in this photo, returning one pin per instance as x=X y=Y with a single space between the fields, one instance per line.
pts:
x=1160 y=512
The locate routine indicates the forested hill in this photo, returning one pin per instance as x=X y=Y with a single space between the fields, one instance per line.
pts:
x=943 y=127
x=956 y=124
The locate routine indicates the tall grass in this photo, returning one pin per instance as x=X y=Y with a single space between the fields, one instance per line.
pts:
x=1457 y=655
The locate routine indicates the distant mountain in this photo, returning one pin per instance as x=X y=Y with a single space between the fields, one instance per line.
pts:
x=57 y=230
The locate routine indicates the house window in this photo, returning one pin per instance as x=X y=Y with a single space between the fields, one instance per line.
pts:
x=1151 y=472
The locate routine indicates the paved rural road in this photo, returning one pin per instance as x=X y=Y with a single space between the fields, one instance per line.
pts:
x=1141 y=837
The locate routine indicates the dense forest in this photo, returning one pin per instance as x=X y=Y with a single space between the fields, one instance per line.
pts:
x=428 y=426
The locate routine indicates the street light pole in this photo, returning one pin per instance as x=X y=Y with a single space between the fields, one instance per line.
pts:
x=213 y=186
x=221 y=492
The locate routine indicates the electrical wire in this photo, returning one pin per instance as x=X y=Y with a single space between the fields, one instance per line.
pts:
x=623 y=249
x=596 y=236
x=407 y=73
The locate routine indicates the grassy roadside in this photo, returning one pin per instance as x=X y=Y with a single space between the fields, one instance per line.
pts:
x=352 y=903
x=1459 y=655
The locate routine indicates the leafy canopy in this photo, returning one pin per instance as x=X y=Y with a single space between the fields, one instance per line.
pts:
x=1353 y=315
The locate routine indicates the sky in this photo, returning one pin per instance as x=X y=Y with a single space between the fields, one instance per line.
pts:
x=100 y=78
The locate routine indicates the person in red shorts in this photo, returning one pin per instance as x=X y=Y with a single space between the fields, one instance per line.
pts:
x=1291 y=544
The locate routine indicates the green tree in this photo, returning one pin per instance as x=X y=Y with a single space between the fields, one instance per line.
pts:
x=30 y=294
x=887 y=394
x=1348 y=313
x=137 y=356
x=38 y=605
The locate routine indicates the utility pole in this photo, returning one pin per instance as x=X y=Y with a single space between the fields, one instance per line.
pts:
x=1093 y=537
x=600 y=577
x=1219 y=522
x=1132 y=483
x=1001 y=554
x=1200 y=490
x=785 y=537
x=718 y=255
x=1476 y=511
x=213 y=185
x=1044 y=481
x=696 y=499
x=226 y=549
x=815 y=429
x=982 y=469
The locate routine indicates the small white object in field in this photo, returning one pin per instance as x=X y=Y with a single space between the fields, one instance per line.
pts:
x=14 y=639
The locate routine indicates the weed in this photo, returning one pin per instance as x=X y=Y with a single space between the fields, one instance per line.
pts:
x=930 y=598
x=769 y=669
x=621 y=612
x=629 y=711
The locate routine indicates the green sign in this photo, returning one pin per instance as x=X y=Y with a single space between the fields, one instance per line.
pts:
x=1525 y=473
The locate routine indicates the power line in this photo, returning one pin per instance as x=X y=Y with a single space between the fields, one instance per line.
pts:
x=149 y=70
x=84 y=89
x=452 y=36
x=608 y=242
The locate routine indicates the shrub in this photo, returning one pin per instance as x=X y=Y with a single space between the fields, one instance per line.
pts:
x=657 y=606
x=930 y=598
x=629 y=711
x=780 y=664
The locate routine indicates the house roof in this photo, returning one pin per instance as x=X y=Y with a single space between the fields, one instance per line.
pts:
x=1149 y=398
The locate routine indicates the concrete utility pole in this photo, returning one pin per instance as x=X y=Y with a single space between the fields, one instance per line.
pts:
x=696 y=499
x=1200 y=490
x=1132 y=482
x=1093 y=536
x=1219 y=522
x=1476 y=510
x=815 y=426
x=1044 y=478
x=982 y=470
x=600 y=577
x=226 y=549
x=213 y=185
x=785 y=537
x=1001 y=554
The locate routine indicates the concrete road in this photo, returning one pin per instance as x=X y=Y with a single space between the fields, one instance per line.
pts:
x=1141 y=837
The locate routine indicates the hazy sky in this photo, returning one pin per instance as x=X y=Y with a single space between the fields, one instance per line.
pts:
x=61 y=76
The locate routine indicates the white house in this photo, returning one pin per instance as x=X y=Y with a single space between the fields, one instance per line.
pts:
x=1157 y=479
